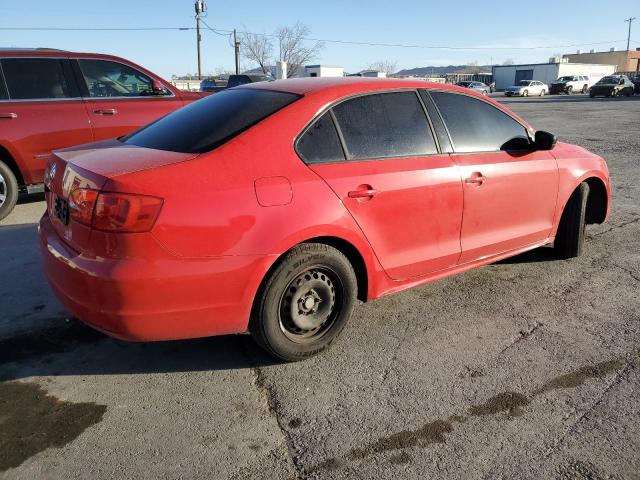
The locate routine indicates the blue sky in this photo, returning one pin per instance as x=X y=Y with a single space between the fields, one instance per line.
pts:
x=459 y=23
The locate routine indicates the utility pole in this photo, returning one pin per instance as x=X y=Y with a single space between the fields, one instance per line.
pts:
x=630 y=19
x=236 y=48
x=201 y=8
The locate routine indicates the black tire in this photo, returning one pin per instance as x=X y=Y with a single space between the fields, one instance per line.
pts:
x=585 y=89
x=8 y=190
x=569 y=240
x=543 y=92
x=310 y=273
x=525 y=93
x=569 y=90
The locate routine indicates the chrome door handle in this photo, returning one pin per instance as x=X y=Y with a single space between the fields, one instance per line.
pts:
x=9 y=115
x=105 y=111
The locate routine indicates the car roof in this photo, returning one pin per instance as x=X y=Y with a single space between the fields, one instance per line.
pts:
x=346 y=85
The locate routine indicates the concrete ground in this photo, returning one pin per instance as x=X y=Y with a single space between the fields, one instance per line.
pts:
x=529 y=368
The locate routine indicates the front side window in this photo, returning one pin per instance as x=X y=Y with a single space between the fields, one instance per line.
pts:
x=105 y=78
x=320 y=142
x=384 y=125
x=3 y=88
x=208 y=123
x=36 y=78
x=474 y=125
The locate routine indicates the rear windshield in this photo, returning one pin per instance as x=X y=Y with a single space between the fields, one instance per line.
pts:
x=208 y=123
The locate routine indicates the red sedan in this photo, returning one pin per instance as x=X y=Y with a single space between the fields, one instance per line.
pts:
x=273 y=207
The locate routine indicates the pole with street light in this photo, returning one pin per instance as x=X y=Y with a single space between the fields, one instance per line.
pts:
x=201 y=8
x=630 y=20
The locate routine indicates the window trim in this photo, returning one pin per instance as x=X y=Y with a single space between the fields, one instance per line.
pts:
x=76 y=87
x=329 y=107
x=89 y=97
x=453 y=146
x=4 y=83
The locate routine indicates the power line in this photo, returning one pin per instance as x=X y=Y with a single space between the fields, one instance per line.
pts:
x=224 y=32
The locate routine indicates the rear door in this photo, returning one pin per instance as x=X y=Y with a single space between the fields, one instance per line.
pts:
x=120 y=98
x=509 y=195
x=389 y=173
x=42 y=111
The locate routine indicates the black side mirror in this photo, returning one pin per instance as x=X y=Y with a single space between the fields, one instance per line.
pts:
x=545 y=140
x=157 y=88
x=517 y=144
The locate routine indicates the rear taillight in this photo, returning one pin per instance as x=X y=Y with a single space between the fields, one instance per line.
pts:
x=114 y=212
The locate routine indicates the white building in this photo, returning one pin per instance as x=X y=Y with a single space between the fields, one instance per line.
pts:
x=507 y=75
x=323 y=71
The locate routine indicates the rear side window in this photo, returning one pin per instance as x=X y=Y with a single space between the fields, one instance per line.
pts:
x=383 y=125
x=37 y=78
x=320 y=142
x=208 y=123
x=474 y=125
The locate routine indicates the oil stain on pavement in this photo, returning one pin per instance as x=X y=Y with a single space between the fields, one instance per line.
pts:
x=512 y=403
x=32 y=420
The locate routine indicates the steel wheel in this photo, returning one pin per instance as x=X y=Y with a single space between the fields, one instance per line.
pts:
x=3 y=190
x=309 y=304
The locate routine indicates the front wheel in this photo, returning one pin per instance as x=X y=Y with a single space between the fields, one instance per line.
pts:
x=525 y=93
x=569 y=90
x=305 y=302
x=569 y=240
x=8 y=190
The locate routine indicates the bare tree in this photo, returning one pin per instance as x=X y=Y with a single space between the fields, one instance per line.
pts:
x=294 y=48
x=387 y=66
x=256 y=48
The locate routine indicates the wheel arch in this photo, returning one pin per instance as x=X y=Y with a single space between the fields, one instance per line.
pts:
x=597 y=201
x=7 y=158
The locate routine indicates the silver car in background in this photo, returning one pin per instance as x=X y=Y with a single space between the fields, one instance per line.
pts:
x=526 y=88
x=480 y=87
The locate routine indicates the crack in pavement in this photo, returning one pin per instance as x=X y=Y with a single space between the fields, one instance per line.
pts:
x=615 y=227
x=522 y=335
x=630 y=272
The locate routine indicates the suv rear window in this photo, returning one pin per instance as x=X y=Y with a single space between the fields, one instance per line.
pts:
x=208 y=123
x=37 y=78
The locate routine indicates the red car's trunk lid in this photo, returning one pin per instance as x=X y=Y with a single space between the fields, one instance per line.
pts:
x=91 y=166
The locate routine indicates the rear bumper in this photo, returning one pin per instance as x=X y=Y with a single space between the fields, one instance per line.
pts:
x=153 y=299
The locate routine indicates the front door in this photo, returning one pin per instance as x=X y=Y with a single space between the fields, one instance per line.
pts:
x=404 y=194
x=120 y=98
x=509 y=194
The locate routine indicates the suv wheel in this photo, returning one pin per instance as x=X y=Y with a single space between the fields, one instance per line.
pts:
x=585 y=89
x=305 y=302
x=569 y=90
x=8 y=190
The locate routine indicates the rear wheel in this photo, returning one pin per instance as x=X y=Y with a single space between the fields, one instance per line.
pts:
x=569 y=90
x=8 y=190
x=305 y=302
x=569 y=240
x=585 y=89
x=525 y=93
x=543 y=92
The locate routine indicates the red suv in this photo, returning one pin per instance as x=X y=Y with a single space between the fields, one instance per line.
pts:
x=52 y=99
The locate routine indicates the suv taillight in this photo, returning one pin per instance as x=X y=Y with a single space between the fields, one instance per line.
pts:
x=114 y=212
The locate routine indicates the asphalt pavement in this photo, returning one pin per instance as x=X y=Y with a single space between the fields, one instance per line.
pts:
x=529 y=368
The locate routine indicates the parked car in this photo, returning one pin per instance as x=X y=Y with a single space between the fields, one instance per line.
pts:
x=612 y=86
x=526 y=88
x=477 y=86
x=274 y=219
x=52 y=99
x=211 y=86
x=243 y=79
x=570 y=84
x=636 y=84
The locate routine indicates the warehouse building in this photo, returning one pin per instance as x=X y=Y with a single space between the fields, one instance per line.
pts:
x=507 y=75
x=323 y=71
x=624 y=60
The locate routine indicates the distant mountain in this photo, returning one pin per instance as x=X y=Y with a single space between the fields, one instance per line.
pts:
x=424 y=71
